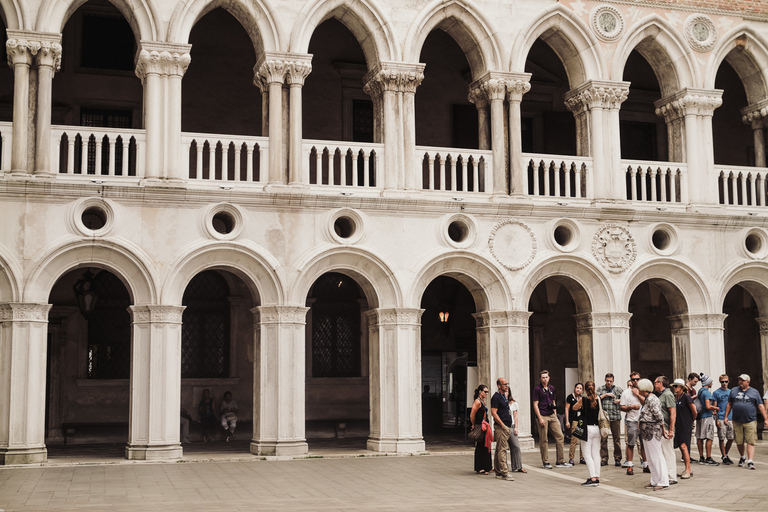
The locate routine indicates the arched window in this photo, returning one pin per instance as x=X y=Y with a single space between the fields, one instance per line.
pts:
x=335 y=326
x=205 y=327
x=109 y=330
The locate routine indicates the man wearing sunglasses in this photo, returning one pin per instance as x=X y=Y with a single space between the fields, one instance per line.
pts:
x=724 y=430
x=630 y=403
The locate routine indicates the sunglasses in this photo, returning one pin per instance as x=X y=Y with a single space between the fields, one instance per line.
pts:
x=724 y=382
x=634 y=380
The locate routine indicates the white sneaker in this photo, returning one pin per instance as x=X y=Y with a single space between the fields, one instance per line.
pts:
x=507 y=477
x=627 y=464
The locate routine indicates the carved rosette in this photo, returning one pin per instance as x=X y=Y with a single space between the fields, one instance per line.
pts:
x=279 y=315
x=393 y=77
x=756 y=116
x=163 y=60
x=24 y=312
x=697 y=102
x=513 y=244
x=700 y=32
x=596 y=94
x=614 y=248
x=156 y=314
x=394 y=316
x=488 y=319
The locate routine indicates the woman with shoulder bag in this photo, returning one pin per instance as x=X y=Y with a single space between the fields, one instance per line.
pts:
x=479 y=419
x=589 y=405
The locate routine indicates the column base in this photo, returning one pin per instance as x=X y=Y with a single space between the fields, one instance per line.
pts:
x=527 y=443
x=279 y=448
x=155 y=452
x=19 y=174
x=9 y=456
x=396 y=445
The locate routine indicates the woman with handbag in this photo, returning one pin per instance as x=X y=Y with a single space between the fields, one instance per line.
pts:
x=651 y=425
x=589 y=405
x=572 y=420
x=480 y=429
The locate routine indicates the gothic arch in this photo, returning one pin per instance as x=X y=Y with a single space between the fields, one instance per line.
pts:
x=569 y=37
x=664 y=49
x=481 y=277
x=127 y=261
x=258 y=270
x=753 y=277
x=362 y=17
x=465 y=25
x=141 y=15
x=371 y=272
x=590 y=290
x=15 y=14
x=10 y=276
x=747 y=53
x=682 y=286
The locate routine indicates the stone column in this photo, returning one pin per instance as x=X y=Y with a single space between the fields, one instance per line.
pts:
x=23 y=349
x=502 y=351
x=48 y=61
x=756 y=117
x=763 y=323
x=705 y=335
x=279 y=363
x=20 y=52
x=392 y=86
x=270 y=71
x=595 y=104
x=603 y=345
x=161 y=66
x=297 y=70
x=479 y=98
x=394 y=351
x=518 y=85
x=153 y=429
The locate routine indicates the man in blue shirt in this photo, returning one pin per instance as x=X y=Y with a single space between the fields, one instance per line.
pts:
x=745 y=401
x=724 y=430
x=705 y=422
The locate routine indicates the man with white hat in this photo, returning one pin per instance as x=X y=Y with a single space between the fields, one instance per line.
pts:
x=745 y=402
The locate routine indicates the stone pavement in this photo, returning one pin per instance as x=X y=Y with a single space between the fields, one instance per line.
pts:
x=347 y=480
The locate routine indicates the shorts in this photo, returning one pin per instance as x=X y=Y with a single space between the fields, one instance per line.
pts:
x=745 y=432
x=632 y=433
x=705 y=428
x=725 y=432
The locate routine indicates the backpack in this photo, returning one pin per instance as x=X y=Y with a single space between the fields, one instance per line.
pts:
x=700 y=406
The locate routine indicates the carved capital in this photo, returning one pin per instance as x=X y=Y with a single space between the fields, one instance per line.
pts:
x=24 y=312
x=279 y=315
x=517 y=85
x=23 y=46
x=49 y=54
x=587 y=321
x=489 y=319
x=762 y=322
x=478 y=97
x=164 y=59
x=596 y=94
x=756 y=115
x=494 y=86
x=394 y=316
x=298 y=68
x=689 y=102
x=702 y=321
x=156 y=314
x=393 y=77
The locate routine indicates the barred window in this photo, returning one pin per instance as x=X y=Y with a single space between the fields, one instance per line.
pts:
x=109 y=330
x=336 y=326
x=205 y=327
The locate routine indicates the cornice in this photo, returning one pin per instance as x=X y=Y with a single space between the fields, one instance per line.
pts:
x=690 y=8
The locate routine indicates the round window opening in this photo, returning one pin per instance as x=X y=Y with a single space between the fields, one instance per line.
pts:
x=94 y=218
x=458 y=231
x=563 y=235
x=753 y=243
x=223 y=223
x=661 y=240
x=344 y=227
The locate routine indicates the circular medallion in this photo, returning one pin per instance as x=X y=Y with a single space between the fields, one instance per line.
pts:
x=700 y=32
x=512 y=244
x=607 y=22
x=614 y=247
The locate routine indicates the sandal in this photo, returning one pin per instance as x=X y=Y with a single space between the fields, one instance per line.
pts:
x=521 y=470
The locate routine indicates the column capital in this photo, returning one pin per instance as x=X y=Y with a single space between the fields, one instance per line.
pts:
x=279 y=315
x=488 y=319
x=394 y=77
x=298 y=68
x=24 y=312
x=596 y=94
x=756 y=115
x=697 y=321
x=607 y=320
x=517 y=85
x=689 y=102
x=156 y=314
x=23 y=45
x=394 y=316
x=762 y=322
x=165 y=59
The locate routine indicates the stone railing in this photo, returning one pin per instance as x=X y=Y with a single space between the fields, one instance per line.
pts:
x=6 y=130
x=87 y=151
x=556 y=176
x=224 y=158
x=341 y=164
x=455 y=170
x=744 y=186
x=664 y=182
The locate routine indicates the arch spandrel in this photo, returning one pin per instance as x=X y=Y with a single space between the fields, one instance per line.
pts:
x=363 y=18
x=10 y=277
x=753 y=277
x=747 y=52
x=257 y=269
x=128 y=262
x=681 y=284
x=369 y=270
x=569 y=37
x=142 y=16
x=471 y=31
x=15 y=15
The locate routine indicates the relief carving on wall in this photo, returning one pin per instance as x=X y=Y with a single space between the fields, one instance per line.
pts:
x=513 y=244
x=614 y=248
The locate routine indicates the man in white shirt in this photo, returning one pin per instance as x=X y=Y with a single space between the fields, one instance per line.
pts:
x=630 y=403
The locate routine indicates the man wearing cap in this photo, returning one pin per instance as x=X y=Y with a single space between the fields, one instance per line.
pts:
x=705 y=424
x=745 y=401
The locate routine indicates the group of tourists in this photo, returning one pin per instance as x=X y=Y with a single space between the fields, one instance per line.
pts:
x=659 y=417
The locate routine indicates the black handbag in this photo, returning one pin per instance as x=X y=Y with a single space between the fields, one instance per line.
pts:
x=580 y=431
x=477 y=433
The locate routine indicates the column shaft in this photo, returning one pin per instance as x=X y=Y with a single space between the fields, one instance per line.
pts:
x=296 y=165
x=412 y=176
x=759 y=137
x=500 y=186
x=153 y=125
x=173 y=168
x=275 y=131
x=21 y=58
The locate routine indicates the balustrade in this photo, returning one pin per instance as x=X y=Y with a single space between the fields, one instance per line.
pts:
x=85 y=151
x=743 y=186
x=655 y=181
x=455 y=170
x=556 y=176
x=6 y=131
x=341 y=164
x=225 y=158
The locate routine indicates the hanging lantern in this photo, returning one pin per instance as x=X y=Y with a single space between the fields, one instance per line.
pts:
x=86 y=295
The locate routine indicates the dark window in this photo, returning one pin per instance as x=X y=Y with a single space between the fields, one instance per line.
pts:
x=638 y=141
x=109 y=330
x=107 y=42
x=205 y=327
x=336 y=327
x=106 y=118
x=362 y=121
x=465 y=127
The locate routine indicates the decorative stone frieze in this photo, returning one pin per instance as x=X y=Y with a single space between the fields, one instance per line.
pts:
x=156 y=314
x=394 y=77
x=607 y=22
x=700 y=32
x=614 y=248
x=596 y=94
x=756 y=115
x=513 y=244
x=487 y=319
x=163 y=59
x=611 y=320
x=394 y=316
x=21 y=311
x=688 y=101
x=279 y=315
x=701 y=321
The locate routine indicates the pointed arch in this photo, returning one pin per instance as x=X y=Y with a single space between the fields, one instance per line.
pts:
x=664 y=49
x=254 y=15
x=464 y=23
x=569 y=37
x=752 y=276
x=747 y=53
x=142 y=16
x=15 y=14
x=10 y=277
x=362 y=17
x=684 y=290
